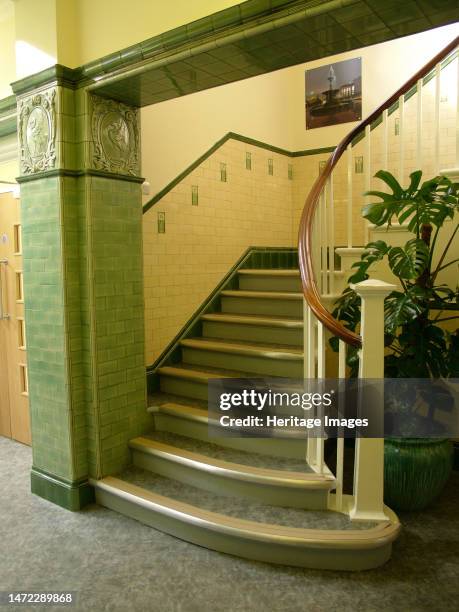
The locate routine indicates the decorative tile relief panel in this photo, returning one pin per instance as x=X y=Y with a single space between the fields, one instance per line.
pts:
x=37 y=132
x=115 y=137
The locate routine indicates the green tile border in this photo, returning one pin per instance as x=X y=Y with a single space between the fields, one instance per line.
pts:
x=69 y=495
x=229 y=136
x=54 y=75
x=79 y=173
x=253 y=257
x=8 y=118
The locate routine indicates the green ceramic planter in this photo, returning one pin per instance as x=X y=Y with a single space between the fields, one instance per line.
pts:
x=415 y=471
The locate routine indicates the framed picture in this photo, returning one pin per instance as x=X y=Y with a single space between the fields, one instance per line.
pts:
x=333 y=93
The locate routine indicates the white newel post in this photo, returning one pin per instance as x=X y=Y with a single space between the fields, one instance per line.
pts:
x=369 y=452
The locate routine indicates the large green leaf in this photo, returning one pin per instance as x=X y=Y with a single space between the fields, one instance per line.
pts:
x=410 y=261
x=374 y=251
x=401 y=308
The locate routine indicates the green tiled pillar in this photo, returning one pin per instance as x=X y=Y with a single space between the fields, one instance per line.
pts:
x=82 y=259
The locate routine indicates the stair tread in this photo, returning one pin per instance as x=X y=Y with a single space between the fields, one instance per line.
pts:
x=248 y=319
x=196 y=413
x=248 y=348
x=294 y=272
x=240 y=511
x=184 y=370
x=274 y=295
x=298 y=468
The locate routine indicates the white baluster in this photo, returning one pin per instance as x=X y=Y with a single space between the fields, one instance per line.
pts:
x=349 y=196
x=331 y=243
x=419 y=124
x=340 y=439
x=401 y=142
x=369 y=452
x=385 y=140
x=367 y=168
x=310 y=369
x=319 y=462
x=318 y=246
x=437 y=119
x=323 y=240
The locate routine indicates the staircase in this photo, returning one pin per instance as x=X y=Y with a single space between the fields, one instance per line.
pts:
x=256 y=498
x=276 y=499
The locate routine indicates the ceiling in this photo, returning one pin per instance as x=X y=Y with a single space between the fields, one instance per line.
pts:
x=287 y=34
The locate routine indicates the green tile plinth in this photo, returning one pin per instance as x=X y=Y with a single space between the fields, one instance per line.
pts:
x=68 y=495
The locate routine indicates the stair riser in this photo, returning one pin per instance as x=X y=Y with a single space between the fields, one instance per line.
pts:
x=278 y=495
x=245 y=363
x=275 y=447
x=243 y=545
x=253 y=333
x=269 y=283
x=183 y=387
x=262 y=306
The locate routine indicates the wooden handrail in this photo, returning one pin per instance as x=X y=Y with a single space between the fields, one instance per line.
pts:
x=310 y=290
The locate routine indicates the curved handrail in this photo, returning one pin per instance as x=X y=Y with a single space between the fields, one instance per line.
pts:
x=310 y=290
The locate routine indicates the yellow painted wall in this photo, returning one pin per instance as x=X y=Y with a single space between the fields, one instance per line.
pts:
x=36 y=41
x=105 y=26
x=271 y=107
x=7 y=55
x=9 y=163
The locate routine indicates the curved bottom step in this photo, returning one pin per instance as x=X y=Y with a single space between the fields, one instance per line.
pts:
x=205 y=466
x=344 y=549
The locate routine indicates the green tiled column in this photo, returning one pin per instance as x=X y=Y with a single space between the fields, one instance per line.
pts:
x=82 y=258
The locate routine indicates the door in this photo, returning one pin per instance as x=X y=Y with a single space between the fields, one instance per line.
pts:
x=14 y=403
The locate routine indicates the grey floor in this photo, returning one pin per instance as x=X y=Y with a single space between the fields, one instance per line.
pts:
x=114 y=563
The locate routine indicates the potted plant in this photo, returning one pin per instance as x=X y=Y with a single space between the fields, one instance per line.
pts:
x=417 y=343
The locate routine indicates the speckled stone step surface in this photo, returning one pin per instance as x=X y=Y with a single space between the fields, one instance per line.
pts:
x=238 y=507
x=214 y=451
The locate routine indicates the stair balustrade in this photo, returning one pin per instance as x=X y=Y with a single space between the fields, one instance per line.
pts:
x=415 y=128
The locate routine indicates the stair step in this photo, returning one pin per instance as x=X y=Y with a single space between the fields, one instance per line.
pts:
x=279 y=272
x=266 y=321
x=325 y=540
x=271 y=303
x=269 y=280
x=255 y=358
x=253 y=328
x=201 y=464
x=262 y=359
x=265 y=295
x=193 y=422
x=183 y=379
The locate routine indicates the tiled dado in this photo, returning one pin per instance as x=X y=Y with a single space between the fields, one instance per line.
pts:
x=82 y=226
x=209 y=223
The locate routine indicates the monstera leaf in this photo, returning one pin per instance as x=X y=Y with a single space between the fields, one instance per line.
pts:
x=381 y=213
x=410 y=261
x=431 y=203
x=374 y=251
x=400 y=308
x=416 y=344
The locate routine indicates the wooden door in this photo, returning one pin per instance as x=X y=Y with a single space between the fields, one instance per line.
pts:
x=14 y=403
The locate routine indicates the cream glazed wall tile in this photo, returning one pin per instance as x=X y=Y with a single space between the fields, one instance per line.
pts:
x=203 y=241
